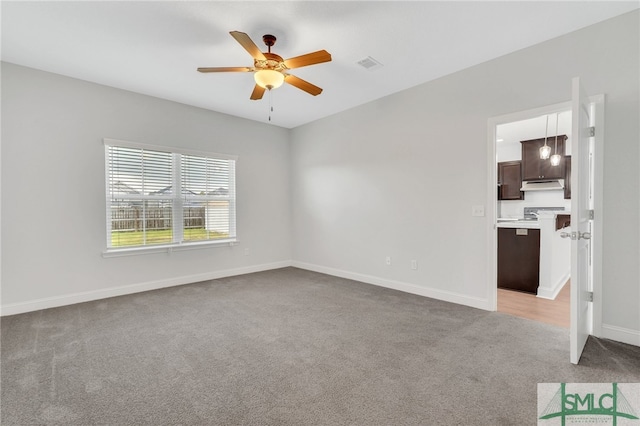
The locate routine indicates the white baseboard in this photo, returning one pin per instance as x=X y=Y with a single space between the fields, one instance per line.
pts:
x=620 y=334
x=87 y=296
x=460 y=299
x=552 y=293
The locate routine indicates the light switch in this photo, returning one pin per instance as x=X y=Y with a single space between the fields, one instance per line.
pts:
x=477 y=211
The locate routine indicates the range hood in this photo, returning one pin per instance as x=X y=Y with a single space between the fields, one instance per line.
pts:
x=542 y=185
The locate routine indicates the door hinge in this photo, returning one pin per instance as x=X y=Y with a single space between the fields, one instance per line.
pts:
x=589 y=296
x=592 y=131
x=591 y=214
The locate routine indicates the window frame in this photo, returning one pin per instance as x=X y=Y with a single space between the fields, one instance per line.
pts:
x=176 y=199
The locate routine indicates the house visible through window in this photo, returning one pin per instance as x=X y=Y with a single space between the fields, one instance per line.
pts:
x=162 y=196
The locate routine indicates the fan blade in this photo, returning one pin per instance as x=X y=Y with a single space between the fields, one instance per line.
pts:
x=309 y=59
x=248 y=44
x=257 y=93
x=225 y=69
x=302 y=85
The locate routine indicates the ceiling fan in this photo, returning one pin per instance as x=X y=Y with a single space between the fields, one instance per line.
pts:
x=269 y=69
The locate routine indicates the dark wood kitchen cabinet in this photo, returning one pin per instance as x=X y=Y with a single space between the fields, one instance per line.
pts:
x=533 y=167
x=563 y=221
x=510 y=180
x=519 y=259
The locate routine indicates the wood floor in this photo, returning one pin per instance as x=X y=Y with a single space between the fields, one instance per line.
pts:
x=524 y=305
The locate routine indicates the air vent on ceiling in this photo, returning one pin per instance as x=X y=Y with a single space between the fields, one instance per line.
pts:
x=369 y=63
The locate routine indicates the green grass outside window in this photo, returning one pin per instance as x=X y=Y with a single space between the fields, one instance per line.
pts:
x=161 y=236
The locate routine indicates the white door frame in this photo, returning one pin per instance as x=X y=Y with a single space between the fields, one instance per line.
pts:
x=492 y=202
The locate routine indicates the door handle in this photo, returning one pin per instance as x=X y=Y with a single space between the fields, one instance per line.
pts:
x=576 y=235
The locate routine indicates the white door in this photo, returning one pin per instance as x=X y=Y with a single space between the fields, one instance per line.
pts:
x=581 y=220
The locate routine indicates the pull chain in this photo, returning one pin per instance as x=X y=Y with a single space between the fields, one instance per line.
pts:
x=270 y=105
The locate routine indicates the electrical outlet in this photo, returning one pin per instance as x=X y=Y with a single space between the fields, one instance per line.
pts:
x=388 y=260
x=414 y=264
x=246 y=252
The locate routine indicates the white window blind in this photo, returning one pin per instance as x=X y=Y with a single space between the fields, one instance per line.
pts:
x=156 y=197
x=209 y=196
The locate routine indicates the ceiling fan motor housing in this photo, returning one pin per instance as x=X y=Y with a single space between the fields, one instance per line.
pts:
x=273 y=62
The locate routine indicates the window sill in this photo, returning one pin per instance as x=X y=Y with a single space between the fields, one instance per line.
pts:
x=167 y=248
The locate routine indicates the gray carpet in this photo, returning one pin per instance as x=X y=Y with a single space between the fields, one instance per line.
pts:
x=286 y=347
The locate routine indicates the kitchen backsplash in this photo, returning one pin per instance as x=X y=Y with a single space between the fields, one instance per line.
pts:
x=515 y=208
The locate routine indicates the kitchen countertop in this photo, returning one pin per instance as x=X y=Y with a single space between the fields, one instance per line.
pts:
x=544 y=216
x=529 y=224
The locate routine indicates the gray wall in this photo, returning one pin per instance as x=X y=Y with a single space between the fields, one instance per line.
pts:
x=53 y=189
x=398 y=177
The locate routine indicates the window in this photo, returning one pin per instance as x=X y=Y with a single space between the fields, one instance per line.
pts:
x=161 y=196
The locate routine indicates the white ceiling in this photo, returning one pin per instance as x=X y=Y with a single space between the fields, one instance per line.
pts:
x=155 y=47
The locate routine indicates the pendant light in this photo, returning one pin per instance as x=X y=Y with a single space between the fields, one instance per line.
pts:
x=555 y=158
x=545 y=151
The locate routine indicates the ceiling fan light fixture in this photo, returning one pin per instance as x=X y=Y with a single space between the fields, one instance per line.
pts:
x=269 y=79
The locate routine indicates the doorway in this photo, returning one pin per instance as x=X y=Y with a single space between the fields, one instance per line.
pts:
x=534 y=262
x=586 y=228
